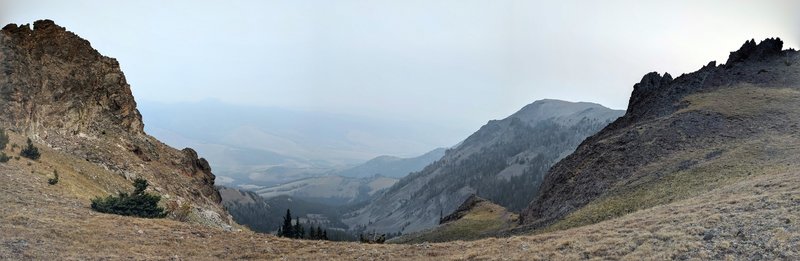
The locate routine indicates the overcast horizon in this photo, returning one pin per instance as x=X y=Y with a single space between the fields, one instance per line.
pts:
x=459 y=63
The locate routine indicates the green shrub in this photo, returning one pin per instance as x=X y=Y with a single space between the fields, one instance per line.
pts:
x=30 y=151
x=3 y=157
x=138 y=204
x=3 y=139
x=54 y=180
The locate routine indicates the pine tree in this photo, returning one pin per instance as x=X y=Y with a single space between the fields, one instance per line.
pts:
x=325 y=235
x=298 y=229
x=287 y=230
x=30 y=151
x=319 y=233
x=312 y=233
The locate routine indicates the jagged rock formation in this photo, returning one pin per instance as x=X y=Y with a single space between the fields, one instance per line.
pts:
x=59 y=91
x=504 y=161
x=679 y=137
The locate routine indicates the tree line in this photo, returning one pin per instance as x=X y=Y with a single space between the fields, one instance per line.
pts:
x=300 y=231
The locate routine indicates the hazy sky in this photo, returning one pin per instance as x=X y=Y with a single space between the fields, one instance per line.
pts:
x=457 y=61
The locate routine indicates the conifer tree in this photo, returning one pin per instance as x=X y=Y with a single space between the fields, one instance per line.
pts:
x=298 y=229
x=312 y=233
x=287 y=230
x=30 y=151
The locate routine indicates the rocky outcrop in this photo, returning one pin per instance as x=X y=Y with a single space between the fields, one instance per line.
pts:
x=55 y=83
x=750 y=51
x=655 y=127
x=58 y=90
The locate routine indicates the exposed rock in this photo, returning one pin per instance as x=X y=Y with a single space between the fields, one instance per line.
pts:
x=58 y=90
x=655 y=127
x=752 y=52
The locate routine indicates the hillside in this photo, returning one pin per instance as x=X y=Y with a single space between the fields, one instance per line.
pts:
x=703 y=166
x=391 y=166
x=504 y=161
x=266 y=215
x=332 y=190
x=75 y=104
x=755 y=218
x=681 y=138
x=475 y=218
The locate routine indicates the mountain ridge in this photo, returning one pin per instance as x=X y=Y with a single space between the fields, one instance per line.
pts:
x=699 y=117
x=496 y=162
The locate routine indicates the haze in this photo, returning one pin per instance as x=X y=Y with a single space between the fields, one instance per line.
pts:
x=454 y=63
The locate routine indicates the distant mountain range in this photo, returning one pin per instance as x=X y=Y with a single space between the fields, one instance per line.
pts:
x=331 y=190
x=391 y=166
x=249 y=145
x=504 y=161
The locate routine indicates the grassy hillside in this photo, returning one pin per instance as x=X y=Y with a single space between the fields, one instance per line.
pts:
x=472 y=222
x=753 y=218
x=699 y=170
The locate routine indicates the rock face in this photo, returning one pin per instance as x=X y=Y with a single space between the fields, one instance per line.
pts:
x=59 y=91
x=667 y=123
x=504 y=161
x=53 y=81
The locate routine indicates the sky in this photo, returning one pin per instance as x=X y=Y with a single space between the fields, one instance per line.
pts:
x=455 y=62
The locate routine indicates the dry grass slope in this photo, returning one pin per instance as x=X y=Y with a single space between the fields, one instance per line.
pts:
x=483 y=219
x=738 y=201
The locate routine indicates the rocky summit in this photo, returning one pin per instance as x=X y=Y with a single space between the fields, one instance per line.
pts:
x=60 y=92
x=679 y=137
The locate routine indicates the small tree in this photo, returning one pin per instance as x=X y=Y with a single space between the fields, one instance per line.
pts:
x=30 y=151
x=312 y=233
x=138 y=204
x=3 y=139
x=320 y=233
x=287 y=230
x=299 y=231
x=54 y=180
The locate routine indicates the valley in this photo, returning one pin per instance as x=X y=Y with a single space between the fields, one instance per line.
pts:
x=699 y=166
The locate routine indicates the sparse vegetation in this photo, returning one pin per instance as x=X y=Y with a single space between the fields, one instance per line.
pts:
x=179 y=212
x=54 y=179
x=3 y=139
x=3 y=143
x=30 y=151
x=138 y=204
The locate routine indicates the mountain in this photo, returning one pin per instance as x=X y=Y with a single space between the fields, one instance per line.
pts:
x=690 y=137
x=252 y=145
x=331 y=190
x=391 y=166
x=504 y=161
x=76 y=106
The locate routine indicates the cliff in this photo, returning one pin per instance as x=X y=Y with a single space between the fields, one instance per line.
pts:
x=60 y=92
